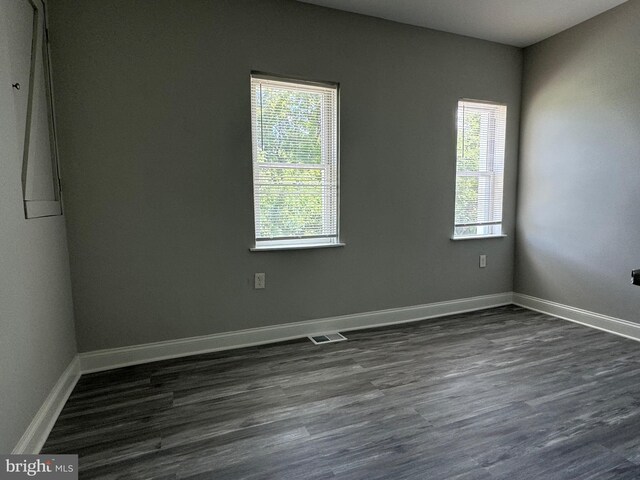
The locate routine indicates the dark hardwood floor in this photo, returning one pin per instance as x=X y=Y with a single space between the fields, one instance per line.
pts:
x=501 y=394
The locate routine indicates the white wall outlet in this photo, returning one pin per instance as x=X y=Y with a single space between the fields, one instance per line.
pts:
x=260 y=281
x=483 y=261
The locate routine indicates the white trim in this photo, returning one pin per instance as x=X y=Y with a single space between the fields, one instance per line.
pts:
x=299 y=246
x=44 y=420
x=135 y=354
x=478 y=237
x=617 y=326
x=38 y=430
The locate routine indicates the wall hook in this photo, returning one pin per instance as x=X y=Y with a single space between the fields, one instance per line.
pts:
x=16 y=86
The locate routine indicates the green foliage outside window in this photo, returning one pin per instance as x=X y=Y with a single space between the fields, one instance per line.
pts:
x=468 y=161
x=290 y=128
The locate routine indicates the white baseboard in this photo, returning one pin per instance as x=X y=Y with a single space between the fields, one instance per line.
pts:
x=41 y=425
x=617 y=326
x=38 y=430
x=120 y=357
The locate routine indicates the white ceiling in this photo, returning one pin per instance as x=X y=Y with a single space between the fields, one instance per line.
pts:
x=514 y=22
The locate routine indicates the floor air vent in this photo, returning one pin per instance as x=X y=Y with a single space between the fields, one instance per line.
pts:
x=327 y=338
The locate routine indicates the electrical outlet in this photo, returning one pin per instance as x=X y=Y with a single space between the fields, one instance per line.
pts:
x=260 y=281
x=483 y=261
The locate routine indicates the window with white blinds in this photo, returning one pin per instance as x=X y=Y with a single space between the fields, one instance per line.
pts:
x=295 y=162
x=479 y=169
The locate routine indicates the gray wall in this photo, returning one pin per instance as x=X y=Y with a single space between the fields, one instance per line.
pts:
x=37 y=340
x=579 y=191
x=154 y=121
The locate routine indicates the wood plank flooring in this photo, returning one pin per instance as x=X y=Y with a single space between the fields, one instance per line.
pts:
x=504 y=393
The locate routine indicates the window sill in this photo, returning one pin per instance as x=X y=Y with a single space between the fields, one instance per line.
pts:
x=297 y=247
x=478 y=237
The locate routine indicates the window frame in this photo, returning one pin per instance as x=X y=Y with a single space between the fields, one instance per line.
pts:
x=492 y=229
x=299 y=242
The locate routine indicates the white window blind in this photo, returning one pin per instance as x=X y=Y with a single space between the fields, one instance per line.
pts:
x=295 y=162
x=479 y=169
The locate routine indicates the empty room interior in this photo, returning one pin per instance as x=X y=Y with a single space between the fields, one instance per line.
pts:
x=321 y=239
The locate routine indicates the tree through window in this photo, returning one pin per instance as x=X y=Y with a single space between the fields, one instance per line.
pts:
x=479 y=169
x=295 y=162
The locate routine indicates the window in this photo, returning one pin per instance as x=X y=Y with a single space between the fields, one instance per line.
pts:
x=295 y=163
x=479 y=169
